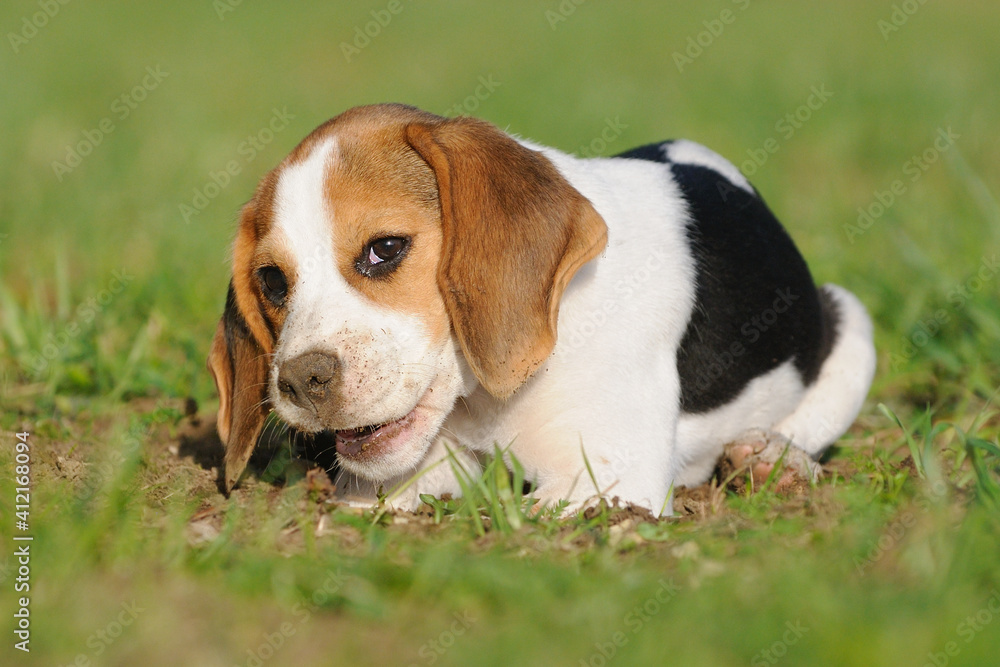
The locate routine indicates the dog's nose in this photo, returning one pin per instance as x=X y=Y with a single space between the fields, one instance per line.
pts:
x=309 y=379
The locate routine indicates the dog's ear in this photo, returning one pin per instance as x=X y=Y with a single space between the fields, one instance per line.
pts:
x=239 y=366
x=514 y=234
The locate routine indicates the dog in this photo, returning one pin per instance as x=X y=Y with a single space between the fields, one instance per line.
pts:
x=414 y=288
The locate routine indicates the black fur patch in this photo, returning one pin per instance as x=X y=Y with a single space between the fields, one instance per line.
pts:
x=755 y=302
x=235 y=326
x=651 y=152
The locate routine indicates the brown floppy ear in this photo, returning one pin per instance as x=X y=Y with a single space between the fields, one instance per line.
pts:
x=239 y=366
x=514 y=234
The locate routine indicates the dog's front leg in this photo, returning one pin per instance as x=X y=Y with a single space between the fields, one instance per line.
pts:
x=631 y=459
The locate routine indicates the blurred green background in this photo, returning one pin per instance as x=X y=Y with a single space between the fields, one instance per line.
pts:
x=556 y=73
x=112 y=288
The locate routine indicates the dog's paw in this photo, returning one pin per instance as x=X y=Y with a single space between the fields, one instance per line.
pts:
x=362 y=494
x=758 y=452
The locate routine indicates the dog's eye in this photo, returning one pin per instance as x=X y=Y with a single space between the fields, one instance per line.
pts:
x=382 y=256
x=384 y=250
x=273 y=284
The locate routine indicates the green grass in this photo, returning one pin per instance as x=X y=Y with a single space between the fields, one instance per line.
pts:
x=109 y=299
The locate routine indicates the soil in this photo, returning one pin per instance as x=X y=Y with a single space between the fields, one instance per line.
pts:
x=190 y=449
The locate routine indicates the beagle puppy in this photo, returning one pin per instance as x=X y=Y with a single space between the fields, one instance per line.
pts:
x=414 y=287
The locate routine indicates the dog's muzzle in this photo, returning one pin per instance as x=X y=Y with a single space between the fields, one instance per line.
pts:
x=311 y=381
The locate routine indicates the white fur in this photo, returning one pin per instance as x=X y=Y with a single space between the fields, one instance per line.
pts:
x=819 y=414
x=389 y=364
x=683 y=151
x=611 y=384
x=609 y=392
x=830 y=405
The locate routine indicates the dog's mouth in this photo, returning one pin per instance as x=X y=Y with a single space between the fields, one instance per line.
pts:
x=375 y=440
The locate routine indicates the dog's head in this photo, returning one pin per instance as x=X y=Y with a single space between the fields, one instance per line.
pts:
x=387 y=247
